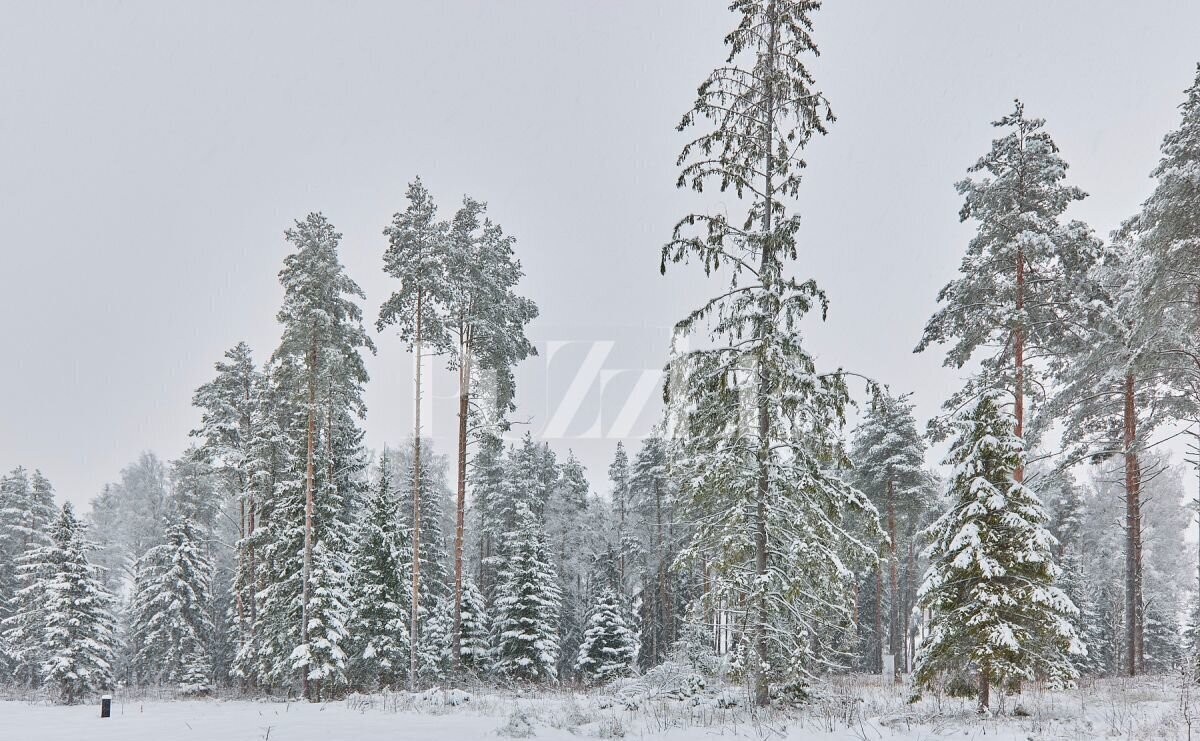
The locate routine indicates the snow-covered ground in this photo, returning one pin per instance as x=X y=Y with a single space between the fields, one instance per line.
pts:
x=858 y=710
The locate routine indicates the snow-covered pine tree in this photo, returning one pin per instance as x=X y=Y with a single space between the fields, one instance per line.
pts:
x=1009 y=300
x=475 y=646
x=77 y=622
x=486 y=320
x=990 y=585
x=379 y=590
x=170 y=621
x=757 y=424
x=609 y=647
x=1114 y=391
x=889 y=467
x=319 y=365
x=526 y=605
x=417 y=256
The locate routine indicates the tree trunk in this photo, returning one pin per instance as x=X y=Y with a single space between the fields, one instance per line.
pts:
x=1019 y=361
x=1132 y=533
x=308 y=508
x=464 y=391
x=894 y=578
x=413 y=630
x=762 y=693
x=879 y=619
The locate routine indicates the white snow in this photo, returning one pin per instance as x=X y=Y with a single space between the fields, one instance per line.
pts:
x=852 y=709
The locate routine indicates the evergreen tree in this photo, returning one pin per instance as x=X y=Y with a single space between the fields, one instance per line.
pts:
x=757 y=423
x=487 y=493
x=77 y=630
x=486 y=320
x=231 y=405
x=1017 y=276
x=527 y=605
x=475 y=646
x=319 y=373
x=609 y=647
x=889 y=467
x=379 y=591
x=417 y=256
x=171 y=621
x=618 y=475
x=990 y=586
x=652 y=501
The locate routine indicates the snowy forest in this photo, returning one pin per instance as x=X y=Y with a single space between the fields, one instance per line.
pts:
x=787 y=530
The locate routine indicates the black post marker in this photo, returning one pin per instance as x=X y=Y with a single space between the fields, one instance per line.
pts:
x=105 y=706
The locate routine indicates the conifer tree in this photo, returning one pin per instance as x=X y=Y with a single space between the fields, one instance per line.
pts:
x=486 y=321
x=990 y=585
x=527 y=605
x=1011 y=300
x=230 y=406
x=757 y=423
x=609 y=647
x=171 y=621
x=889 y=467
x=475 y=646
x=417 y=256
x=652 y=500
x=1114 y=392
x=77 y=621
x=487 y=493
x=379 y=591
x=319 y=365
x=618 y=475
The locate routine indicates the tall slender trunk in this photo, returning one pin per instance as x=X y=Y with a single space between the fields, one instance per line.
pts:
x=907 y=610
x=1019 y=361
x=1132 y=532
x=894 y=578
x=879 y=618
x=413 y=629
x=308 y=507
x=762 y=694
x=464 y=391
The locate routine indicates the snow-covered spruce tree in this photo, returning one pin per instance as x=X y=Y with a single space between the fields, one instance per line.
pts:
x=1114 y=392
x=319 y=365
x=526 y=605
x=609 y=647
x=475 y=626
x=379 y=590
x=229 y=407
x=417 y=256
x=26 y=511
x=170 y=621
x=130 y=517
x=573 y=539
x=486 y=320
x=1012 y=299
x=990 y=585
x=889 y=467
x=487 y=490
x=756 y=423
x=77 y=621
x=618 y=475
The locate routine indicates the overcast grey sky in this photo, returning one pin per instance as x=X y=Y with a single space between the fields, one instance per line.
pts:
x=152 y=153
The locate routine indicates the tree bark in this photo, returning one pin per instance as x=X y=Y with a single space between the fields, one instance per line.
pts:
x=1132 y=532
x=464 y=391
x=413 y=631
x=762 y=693
x=1019 y=361
x=985 y=683
x=894 y=577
